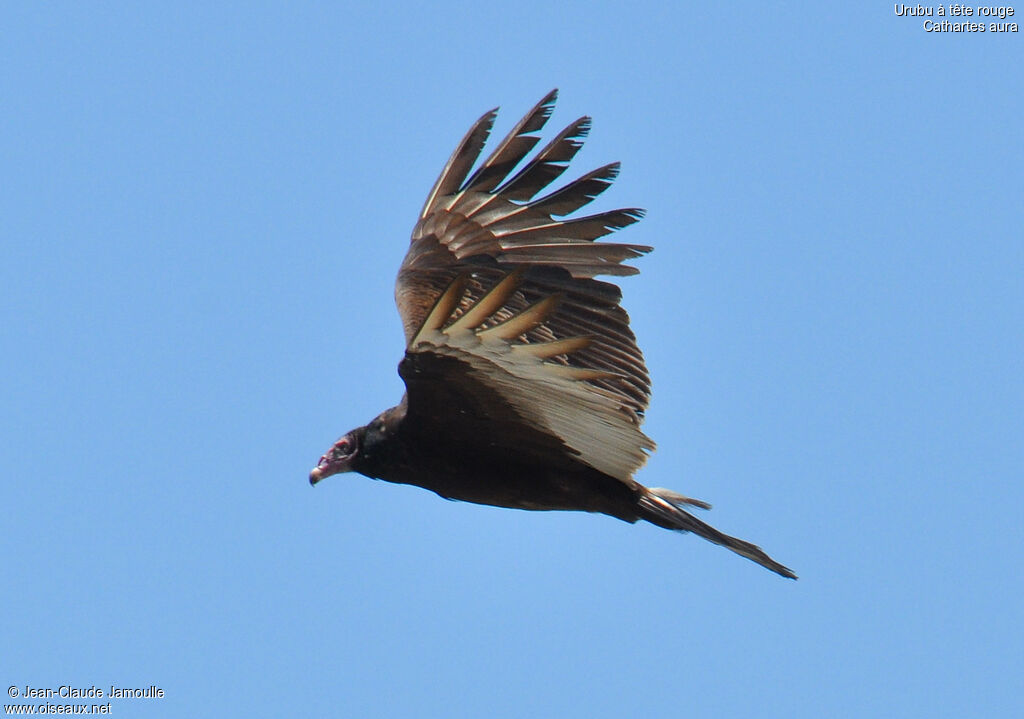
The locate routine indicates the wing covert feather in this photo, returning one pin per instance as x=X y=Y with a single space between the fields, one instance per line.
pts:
x=486 y=223
x=474 y=381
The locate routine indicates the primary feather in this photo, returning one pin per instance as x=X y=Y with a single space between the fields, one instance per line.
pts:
x=525 y=387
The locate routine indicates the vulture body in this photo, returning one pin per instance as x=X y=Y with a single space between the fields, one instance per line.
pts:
x=525 y=387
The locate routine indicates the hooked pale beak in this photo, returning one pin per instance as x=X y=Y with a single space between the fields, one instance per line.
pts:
x=316 y=475
x=328 y=466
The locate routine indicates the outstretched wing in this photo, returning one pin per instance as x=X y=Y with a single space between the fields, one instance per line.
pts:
x=482 y=382
x=483 y=225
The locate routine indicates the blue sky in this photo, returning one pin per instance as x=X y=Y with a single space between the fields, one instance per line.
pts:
x=203 y=211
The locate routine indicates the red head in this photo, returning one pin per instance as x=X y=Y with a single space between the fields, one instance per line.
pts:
x=339 y=458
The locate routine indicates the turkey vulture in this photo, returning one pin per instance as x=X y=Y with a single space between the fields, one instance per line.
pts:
x=525 y=387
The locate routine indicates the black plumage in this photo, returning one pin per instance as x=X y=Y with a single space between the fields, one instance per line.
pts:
x=525 y=387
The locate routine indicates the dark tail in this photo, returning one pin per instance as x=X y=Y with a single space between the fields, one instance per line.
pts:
x=665 y=508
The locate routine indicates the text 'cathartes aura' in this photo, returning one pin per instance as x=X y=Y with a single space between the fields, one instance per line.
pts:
x=525 y=387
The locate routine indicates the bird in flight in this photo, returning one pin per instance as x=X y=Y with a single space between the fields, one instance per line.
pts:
x=525 y=387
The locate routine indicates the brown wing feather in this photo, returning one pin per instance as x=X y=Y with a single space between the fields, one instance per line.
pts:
x=489 y=224
x=474 y=379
